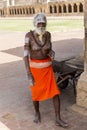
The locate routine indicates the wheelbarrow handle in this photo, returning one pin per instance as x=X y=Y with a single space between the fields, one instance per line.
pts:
x=64 y=78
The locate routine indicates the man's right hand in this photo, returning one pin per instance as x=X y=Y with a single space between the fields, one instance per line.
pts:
x=31 y=79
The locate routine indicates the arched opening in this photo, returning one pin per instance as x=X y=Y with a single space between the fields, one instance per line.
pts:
x=17 y=11
x=20 y=11
x=69 y=8
x=55 y=9
x=80 y=7
x=30 y=10
x=75 y=8
x=33 y=10
x=60 y=9
x=10 y=12
x=1 y=12
x=40 y=10
x=50 y=9
x=64 y=8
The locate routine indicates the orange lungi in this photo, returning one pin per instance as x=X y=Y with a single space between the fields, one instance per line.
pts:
x=45 y=86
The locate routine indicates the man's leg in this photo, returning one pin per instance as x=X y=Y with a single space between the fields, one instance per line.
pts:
x=37 y=112
x=56 y=102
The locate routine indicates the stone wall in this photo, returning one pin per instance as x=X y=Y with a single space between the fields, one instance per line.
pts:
x=60 y=8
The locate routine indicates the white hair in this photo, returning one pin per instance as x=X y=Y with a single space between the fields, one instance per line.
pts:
x=39 y=18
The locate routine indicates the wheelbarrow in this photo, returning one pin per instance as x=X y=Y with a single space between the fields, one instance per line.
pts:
x=65 y=74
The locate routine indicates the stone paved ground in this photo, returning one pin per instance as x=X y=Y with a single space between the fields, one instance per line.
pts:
x=16 y=108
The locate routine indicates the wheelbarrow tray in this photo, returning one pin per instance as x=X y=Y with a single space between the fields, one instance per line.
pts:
x=63 y=73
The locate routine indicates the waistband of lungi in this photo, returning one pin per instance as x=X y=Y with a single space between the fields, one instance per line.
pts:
x=40 y=63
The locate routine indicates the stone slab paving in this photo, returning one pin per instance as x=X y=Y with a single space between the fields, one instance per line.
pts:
x=16 y=108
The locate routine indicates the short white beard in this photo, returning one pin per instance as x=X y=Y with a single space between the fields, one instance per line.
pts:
x=40 y=30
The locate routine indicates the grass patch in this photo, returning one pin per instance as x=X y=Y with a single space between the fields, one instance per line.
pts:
x=16 y=25
x=53 y=25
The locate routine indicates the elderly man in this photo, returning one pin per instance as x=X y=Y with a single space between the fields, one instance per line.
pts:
x=38 y=56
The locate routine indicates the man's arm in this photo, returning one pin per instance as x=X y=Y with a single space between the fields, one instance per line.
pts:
x=26 y=60
x=51 y=52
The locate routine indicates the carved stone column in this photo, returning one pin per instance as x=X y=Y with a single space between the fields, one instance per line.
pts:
x=52 y=9
x=72 y=9
x=77 y=7
x=67 y=11
x=8 y=4
x=57 y=8
x=47 y=9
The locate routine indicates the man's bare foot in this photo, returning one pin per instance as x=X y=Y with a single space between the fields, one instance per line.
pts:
x=61 y=123
x=37 y=117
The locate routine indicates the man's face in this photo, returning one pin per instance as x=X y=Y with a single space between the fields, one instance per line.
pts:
x=41 y=28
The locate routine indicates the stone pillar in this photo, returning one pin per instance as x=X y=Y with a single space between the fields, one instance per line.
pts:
x=72 y=9
x=22 y=12
x=25 y=11
x=67 y=11
x=62 y=11
x=8 y=4
x=52 y=9
x=78 y=8
x=47 y=9
x=81 y=99
x=57 y=9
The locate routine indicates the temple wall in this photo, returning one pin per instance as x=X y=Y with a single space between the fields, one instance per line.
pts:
x=51 y=9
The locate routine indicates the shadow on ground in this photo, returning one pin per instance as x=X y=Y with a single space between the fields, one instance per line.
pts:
x=63 y=48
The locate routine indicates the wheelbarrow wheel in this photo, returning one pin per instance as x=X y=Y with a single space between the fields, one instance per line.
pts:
x=64 y=84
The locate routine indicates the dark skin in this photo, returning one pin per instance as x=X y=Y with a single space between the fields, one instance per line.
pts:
x=41 y=25
x=56 y=102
